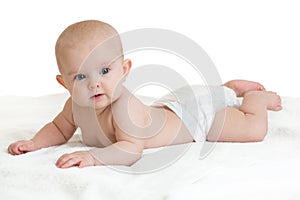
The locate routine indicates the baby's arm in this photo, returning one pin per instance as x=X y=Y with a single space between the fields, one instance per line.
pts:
x=126 y=151
x=59 y=131
x=119 y=153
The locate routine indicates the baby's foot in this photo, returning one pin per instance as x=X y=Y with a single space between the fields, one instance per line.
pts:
x=273 y=101
x=266 y=98
x=242 y=86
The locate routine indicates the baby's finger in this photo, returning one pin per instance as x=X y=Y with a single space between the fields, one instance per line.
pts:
x=14 y=149
x=84 y=163
x=64 y=159
x=26 y=147
x=71 y=162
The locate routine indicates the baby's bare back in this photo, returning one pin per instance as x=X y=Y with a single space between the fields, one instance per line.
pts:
x=153 y=126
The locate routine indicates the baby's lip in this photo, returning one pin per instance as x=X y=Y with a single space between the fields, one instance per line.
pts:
x=96 y=95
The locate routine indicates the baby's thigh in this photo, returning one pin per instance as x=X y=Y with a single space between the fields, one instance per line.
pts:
x=229 y=125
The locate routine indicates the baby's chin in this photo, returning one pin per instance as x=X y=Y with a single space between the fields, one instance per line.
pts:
x=83 y=103
x=99 y=106
x=96 y=102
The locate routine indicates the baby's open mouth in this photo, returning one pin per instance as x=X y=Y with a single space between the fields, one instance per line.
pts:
x=96 y=96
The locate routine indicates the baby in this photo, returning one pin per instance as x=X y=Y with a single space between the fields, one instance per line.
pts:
x=116 y=123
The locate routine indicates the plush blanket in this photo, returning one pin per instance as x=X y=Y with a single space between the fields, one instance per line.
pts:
x=263 y=170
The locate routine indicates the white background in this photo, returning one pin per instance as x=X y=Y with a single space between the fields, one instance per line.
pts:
x=257 y=40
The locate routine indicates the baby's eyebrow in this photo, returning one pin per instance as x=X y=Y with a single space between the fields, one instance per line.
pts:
x=72 y=73
x=101 y=65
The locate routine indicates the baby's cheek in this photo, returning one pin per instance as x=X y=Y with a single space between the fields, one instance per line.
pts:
x=80 y=97
x=116 y=92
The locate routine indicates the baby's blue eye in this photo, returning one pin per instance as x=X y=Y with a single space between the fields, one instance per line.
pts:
x=105 y=70
x=80 y=77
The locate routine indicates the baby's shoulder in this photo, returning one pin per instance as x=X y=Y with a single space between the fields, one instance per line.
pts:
x=67 y=109
x=68 y=104
x=76 y=113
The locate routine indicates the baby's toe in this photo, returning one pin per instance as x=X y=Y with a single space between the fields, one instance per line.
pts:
x=260 y=87
x=278 y=108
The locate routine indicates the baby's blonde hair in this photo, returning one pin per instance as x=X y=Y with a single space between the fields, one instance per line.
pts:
x=91 y=32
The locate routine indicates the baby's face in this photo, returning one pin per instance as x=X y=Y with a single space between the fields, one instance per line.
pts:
x=94 y=79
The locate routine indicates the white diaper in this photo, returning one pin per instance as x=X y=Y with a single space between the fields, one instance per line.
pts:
x=196 y=106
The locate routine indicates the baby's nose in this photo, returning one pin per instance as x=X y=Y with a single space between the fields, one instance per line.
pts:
x=94 y=83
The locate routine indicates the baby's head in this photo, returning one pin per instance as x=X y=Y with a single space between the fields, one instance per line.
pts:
x=90 y=59
x=84 y=36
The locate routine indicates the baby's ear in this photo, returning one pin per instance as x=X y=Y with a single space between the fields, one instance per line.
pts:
x=126 y=67
x=60 y=81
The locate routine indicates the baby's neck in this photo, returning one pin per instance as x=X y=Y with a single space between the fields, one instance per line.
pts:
x=124 y=101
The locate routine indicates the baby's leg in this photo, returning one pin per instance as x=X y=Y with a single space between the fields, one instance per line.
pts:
x=249 y=123
x=241 y=87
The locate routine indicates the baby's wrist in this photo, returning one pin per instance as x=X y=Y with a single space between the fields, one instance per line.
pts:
x=95 y=161
x=34 y=144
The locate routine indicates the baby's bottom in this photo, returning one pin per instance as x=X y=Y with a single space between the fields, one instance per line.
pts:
x=248 y=123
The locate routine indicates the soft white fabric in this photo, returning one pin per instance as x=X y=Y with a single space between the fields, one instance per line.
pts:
x=265 y=170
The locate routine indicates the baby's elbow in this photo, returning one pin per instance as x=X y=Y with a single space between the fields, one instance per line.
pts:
x=139 y=148
x=135 y=158
x=137 y=153
x=131 y=152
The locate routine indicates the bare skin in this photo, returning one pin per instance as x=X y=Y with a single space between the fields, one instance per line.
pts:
x=249 y=123
x=241 y=86
x=117 y=124
x=238 y=127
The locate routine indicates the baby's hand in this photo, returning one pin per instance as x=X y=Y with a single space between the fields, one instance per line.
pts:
x=78 y=158
x=21 y=147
